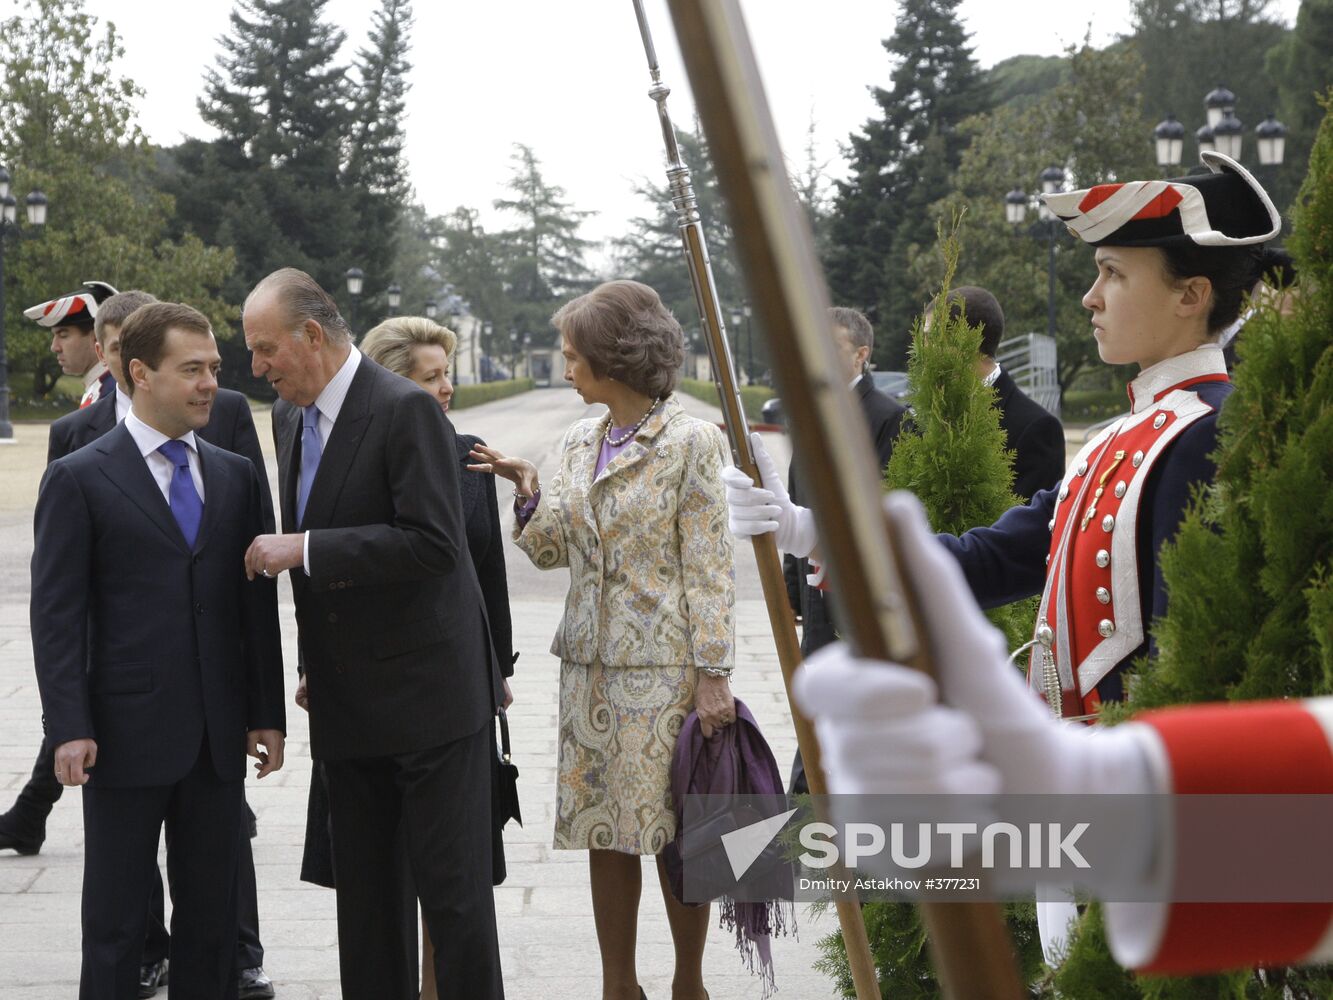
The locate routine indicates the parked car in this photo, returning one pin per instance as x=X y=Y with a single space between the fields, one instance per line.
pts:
x=892 y=384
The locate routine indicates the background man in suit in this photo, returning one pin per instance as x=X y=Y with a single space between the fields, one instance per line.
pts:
x=1031 y=432
x=23 y=828
x=70 y=318
x=399 y=675
x=159 y=665
x=855 y=341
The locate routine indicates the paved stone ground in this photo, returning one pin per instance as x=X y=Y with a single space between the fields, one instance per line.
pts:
x=546 y=931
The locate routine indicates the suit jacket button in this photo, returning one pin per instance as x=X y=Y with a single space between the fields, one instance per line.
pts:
x=333 y=586
x=333 y=618
x=198 y=609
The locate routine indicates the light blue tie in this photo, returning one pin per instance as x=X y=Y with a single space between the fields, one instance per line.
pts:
x=186 y=506
x=311 y=449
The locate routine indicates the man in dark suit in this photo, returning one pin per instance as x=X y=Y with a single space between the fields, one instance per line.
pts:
x=399 y=675
x=23 y=828
x=159 y=665
x=854 y=338
x=1031 y=432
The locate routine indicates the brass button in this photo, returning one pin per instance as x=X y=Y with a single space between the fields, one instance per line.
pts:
x=1103 y=595
x=1120 y=488
x=1137 y=460
x=1106 y=628
x=1103 y=558
x=1108 y=523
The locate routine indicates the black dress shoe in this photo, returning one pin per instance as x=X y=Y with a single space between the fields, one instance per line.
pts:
x=253 y=984
x=13 y=838
x=151 y=976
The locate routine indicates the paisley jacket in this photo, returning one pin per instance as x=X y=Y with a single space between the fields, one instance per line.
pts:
x=652 y=573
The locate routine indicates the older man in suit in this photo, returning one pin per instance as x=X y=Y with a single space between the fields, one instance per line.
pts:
x=159 y=665
x=398 y=671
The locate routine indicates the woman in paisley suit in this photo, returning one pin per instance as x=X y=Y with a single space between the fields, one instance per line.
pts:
x=637 y=513
x=419 y=349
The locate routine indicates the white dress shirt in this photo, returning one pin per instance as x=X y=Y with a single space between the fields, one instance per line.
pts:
x=330 y=404
x=149 y=440
x=123 y=403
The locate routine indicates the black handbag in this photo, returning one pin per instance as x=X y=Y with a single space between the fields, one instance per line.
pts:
x=506 y=792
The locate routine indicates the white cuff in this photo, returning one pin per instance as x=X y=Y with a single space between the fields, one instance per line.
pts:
x=305 y=552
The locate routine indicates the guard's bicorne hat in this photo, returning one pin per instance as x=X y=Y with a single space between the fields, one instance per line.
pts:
x=76 y=308
x=1223 y=206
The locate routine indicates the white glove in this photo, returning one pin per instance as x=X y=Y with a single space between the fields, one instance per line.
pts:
x=881 y=730
x=758 y=510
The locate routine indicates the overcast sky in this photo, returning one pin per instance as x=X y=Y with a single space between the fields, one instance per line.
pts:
x=568 y=78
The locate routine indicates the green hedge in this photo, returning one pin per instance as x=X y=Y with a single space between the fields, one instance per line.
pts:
x=1087 y=406
x=487 y=392
x=753 y=397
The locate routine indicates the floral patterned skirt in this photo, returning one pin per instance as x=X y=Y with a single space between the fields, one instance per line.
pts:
x=618 y=729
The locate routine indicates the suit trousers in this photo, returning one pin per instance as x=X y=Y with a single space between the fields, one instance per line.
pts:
x=434 y=806
x=249 y=949
x=39 y=795
x=202 y=815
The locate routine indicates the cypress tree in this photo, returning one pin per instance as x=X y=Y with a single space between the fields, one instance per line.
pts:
x=952 y=456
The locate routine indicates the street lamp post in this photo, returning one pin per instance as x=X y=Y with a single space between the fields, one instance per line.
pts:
x=356 y=280
x=486 y=330
x=749 y=345
x=36 y=204
x=513 y=354
x=395 y=297
x=1048 y=227
x=527 y=355
x=430 y=309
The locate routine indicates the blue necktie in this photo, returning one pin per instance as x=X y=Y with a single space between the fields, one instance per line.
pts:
x=186 y=506
x=310 y=452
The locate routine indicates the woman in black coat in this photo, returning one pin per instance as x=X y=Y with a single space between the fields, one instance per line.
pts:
x=420 y=350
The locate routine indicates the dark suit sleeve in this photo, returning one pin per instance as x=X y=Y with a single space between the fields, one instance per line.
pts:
x=57 y=442
x=425 y=537
x=245 y=441
x=62 y=569
x=265 y=705
x=1006 y=562
x=886 y=435
x=1039 y=456
x=492 y=576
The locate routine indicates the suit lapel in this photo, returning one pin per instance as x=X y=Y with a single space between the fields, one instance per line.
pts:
x=288 y=419
x=128 y=471
x=642 y=444
x=103 y=416
x=340 y=449
x=210 y=470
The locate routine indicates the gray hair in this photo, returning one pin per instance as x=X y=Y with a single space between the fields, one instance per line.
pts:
x=391 y=343
x=116 y=310
x=304 y=299
x=859 y=330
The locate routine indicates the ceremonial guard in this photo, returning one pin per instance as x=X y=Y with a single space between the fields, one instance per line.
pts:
x=70 y=319
x=1175 y=259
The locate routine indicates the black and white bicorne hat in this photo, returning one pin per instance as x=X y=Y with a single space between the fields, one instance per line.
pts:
x=77 y=308
x=1223 y=207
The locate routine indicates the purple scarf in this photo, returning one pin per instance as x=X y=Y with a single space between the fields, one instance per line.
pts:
x=735 y=761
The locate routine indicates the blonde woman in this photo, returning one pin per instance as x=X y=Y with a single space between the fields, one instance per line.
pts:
x=637 y=513
x=422 y=351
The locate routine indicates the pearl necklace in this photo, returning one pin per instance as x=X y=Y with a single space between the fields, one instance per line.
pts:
x=606 y=435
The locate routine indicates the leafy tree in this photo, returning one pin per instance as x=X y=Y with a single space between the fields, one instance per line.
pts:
x=1090 y=126
x=1021 y=80
x=69 y=128
x=471 y=259
x=544 y=256
x=900 y=163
